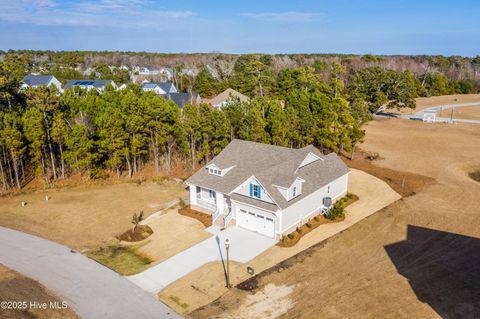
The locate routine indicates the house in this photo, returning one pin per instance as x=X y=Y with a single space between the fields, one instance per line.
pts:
x=160 y=88
x=226 y=97
x=183 y=98
x=146 y=70
x=98 y=85
x=39 y=80
x=167 y=73
x=429 y=116
x=268 y=189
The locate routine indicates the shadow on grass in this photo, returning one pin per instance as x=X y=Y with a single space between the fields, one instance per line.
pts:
x=442 y=268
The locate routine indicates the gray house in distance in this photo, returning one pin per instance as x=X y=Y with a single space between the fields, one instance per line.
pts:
x=160 y=88
x=39 y=80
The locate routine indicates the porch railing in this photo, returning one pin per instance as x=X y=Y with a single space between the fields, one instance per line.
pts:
x=215 y=215
x=228 y=219
x=206 y=204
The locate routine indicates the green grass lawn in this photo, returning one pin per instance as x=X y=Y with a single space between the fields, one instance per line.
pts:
x=123 y=259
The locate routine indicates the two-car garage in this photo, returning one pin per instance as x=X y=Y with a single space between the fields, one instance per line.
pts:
x=254 y=221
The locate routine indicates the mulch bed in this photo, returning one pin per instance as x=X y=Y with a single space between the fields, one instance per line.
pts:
x=205 y=219
x=141 y=232
x=318 y=220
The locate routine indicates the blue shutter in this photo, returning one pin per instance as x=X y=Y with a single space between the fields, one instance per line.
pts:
x=259 y=190
x=251 y=190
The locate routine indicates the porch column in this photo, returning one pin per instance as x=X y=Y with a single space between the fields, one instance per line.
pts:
x=193 y=194
x=220 y=202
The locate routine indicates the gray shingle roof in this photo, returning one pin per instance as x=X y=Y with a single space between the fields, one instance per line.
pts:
x=168 y=87
x=36 y=80
x=98 y=84
x=271 y=165
x=183 y=98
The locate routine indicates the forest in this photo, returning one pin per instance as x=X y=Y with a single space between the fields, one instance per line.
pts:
x=49 y=135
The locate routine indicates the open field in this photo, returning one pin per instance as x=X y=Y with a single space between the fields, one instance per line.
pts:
x=16 y=287
x=370 y=271
x=88 y=216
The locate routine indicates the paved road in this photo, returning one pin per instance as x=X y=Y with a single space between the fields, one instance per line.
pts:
x=91 y=289
x=245 y=245
x=419 y=114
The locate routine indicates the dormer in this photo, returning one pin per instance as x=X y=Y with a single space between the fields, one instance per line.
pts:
x=293 y=190
x=213 y=169
x=310 y=158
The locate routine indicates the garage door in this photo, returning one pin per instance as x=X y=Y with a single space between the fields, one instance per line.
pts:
x=256 y=222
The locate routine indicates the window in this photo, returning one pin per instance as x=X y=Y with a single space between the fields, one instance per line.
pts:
x=215 y=171
x=294 y=192
x=255 y=190
x=211 y=193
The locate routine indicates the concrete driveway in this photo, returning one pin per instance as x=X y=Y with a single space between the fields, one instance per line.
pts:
x=244 y=246
x=91 y=289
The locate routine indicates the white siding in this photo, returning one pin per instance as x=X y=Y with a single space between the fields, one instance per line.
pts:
x=193 y=194
x=244 y=189
x=299 y=213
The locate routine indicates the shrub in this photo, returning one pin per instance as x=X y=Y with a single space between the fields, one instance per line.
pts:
x=337 y=211
x=309 y=225
x=136 y=219
x=299 y=231
x=291 y=236
x=181 y=203
x=316 y=218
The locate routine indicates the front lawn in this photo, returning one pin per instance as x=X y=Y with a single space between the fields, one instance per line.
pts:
x=125 y=260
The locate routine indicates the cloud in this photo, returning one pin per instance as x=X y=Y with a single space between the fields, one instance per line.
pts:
x=289 y=16
x=103 y=13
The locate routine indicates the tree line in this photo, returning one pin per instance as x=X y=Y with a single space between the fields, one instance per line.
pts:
x=45 y=133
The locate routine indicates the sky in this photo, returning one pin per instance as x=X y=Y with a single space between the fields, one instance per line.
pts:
x=244 y=26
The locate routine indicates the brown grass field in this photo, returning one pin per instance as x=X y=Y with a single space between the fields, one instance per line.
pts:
x=16 y=287
x=424 y=102
x=86 y=216
x=466 y=113
x=370 y=270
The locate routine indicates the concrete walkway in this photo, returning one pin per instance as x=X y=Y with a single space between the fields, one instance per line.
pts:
x=92 y=290
x=244 y=246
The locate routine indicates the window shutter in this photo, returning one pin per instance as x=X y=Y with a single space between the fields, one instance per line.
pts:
x=251 y=190
x=259 y=190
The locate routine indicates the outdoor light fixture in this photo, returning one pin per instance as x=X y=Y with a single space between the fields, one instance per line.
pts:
x=227 y=246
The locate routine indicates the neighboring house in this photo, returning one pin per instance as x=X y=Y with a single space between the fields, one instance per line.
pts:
x=146 y=70
x=39 y=80
x=268 y=189
x=226 y=97
x=167 y=73
x=160 y=88
x=183 y=98
x=98 y=85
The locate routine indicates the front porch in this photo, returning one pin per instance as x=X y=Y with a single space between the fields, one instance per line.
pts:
x=216 y=204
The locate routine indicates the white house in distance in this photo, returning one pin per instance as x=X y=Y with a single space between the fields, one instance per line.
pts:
x=226 y=97
x=160 y=88
x=39 y=80
x=268 y=189
x=429 y=116
x=98 y=85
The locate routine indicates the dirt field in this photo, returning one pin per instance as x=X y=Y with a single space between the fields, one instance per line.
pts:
x=16 y=287
x=370 y=270
x=86 y=216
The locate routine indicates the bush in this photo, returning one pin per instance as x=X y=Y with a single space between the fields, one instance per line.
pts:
x=309 y=225
x=299 y=231
x=337 y=211
x=291 y=236
x=316 y=218
x=181 y=203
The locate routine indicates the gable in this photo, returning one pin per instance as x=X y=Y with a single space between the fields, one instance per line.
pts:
x=245 y=189
x=310 y=158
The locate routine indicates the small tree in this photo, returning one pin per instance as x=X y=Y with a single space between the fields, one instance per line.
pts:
x=136 y=219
